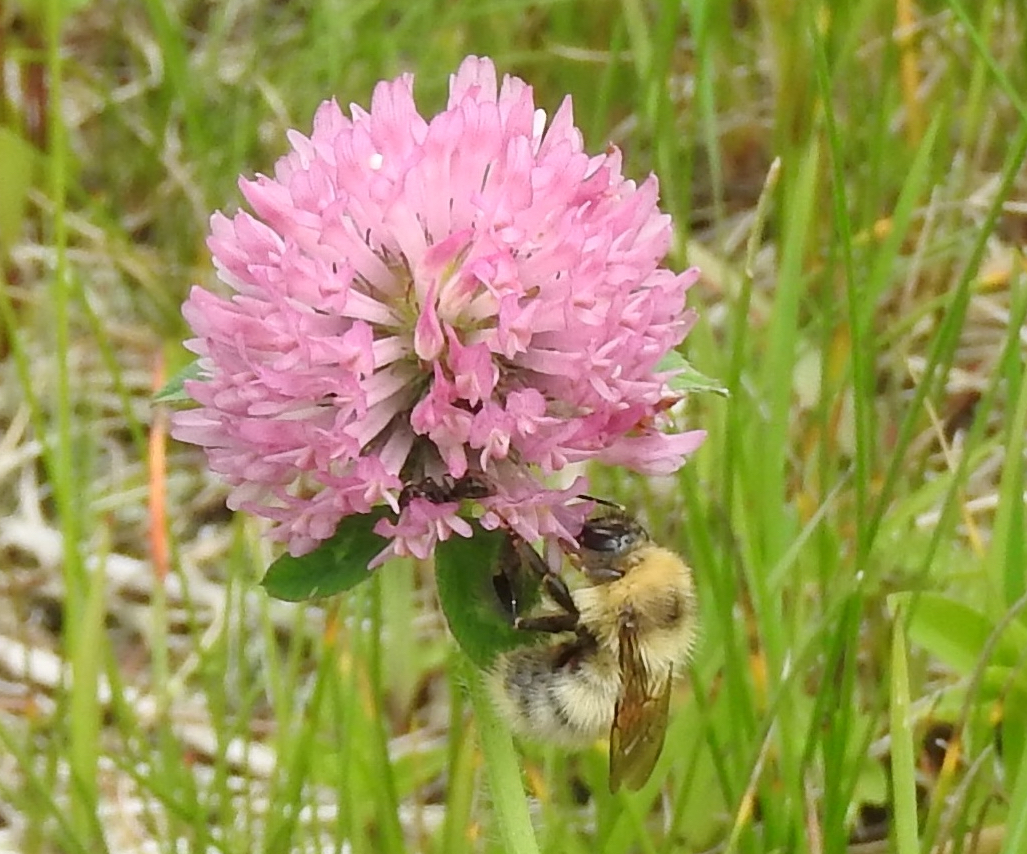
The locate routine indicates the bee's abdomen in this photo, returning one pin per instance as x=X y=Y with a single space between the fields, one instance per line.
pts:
x=563 y=693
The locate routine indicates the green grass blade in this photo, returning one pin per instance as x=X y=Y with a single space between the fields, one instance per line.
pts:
x=903 y=768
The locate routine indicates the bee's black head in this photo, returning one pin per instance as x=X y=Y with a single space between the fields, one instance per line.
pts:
x=611 y=535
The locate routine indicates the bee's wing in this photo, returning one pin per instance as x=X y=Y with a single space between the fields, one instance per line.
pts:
x=640 y=718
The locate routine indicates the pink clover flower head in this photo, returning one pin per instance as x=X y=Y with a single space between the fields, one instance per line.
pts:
x=412 y=298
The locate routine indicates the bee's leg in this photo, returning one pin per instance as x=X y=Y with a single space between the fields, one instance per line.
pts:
x=506 y=592
x=552 y=584
x=604 y=501
x=517 y=555
x=505 y=582
x=552 y=623
x=557 y=590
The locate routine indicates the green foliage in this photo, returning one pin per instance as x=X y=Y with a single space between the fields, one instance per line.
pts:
x=174 y=390
x=338 y=564
x=991 y=653
x=17 y=161
x=961 y=636
x=464 y=572
x=686 y=378
x=903 y=758
x=857 y=533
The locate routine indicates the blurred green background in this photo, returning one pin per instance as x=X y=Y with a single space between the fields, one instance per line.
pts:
x=855 y=519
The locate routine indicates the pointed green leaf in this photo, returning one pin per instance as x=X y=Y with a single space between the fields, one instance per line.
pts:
x=174 y=391
x=338 y=564
x=949 y=630
x=903 y=763
x=686 y=378
x=956 y=633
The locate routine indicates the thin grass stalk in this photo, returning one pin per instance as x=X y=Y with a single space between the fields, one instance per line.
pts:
x=462 y=765
x=1006 y=559
x=862 y=355
x=671 y=158
x=943 y=345
x=1009 y=89
x=700 y=15
x=345 y=698
x=629 y=832
x=81 y=594
x=387 y=796
x=296 y=762
x=903 y=764
x=1016 y=830
x=38 y=790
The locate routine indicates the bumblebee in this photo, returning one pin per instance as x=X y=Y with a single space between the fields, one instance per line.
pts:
x=629 y=625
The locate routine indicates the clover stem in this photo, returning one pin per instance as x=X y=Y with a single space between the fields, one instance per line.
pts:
x=508 y=801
